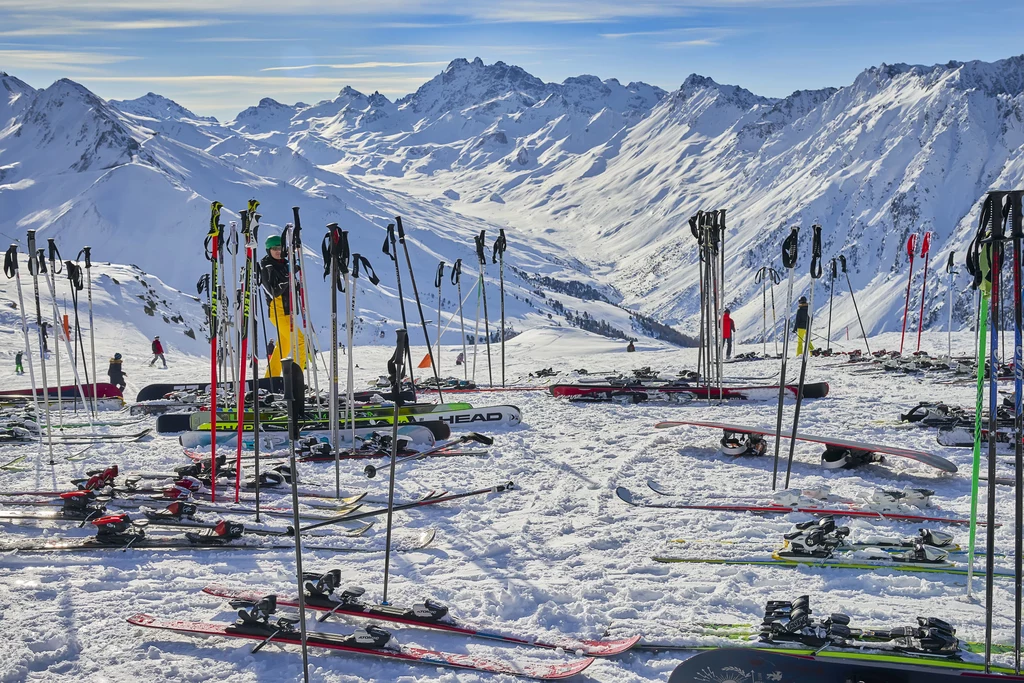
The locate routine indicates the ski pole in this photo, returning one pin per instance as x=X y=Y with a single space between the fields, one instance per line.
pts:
x=911 y=244
x=924 y=284
x=86 y=252
x=55 y=261
x=211 y=246
x=255 y=301
x=391 y=249
x=853 y=298
x=831 y=291
x=247 y=217
x=371 y=471
x=481 y=256
x=996 y=236
x=419 y=306
x=815 y=274
x=335 y=252
x=498 y=256
x=74 y=273
x=357 y=261
x=1017 y=235
x=764 y=275
x=56 y=331
x=294 y=391
x=438 y=277
x=11 y=270
x=696 y=229
x=395 y=375
x=951 y=271
x=456 y=277
x=35 y=263
x=309 y=331
x=789 y=254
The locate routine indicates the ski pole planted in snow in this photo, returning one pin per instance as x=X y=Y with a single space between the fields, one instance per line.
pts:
x=853 y=298
x=831 y=291
x=925 y=244
x=1017 y=235
x=391 y=249
x=482 y=257
x=395 y=376
x=457 y=281
x=438 y=277
x=951 y=271
x=911 y=251
x=212 y=242
x=35 y=262
x=498 y=256
x=789 y=254
x=815 y=273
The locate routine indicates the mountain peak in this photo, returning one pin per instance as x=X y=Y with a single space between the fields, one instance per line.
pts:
x=157 y=106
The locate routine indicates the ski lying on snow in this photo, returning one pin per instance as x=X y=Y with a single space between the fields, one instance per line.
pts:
x=803 y=665
x=406 y=616
x=868 y=565
x=283 y=632
x=627 y=496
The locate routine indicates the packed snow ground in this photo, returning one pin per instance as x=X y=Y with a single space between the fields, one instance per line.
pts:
x=559 y=556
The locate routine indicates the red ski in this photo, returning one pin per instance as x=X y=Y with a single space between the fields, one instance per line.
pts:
x=285 y=634
x=350 y=605
x=639 y=393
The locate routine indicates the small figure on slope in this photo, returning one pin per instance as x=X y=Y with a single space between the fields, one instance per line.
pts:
x=18 y=369
x=630 y=348
x=158 y=352
x=728 y=327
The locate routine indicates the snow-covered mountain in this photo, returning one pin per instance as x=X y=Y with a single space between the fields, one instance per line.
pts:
x=131 y=186
x=592 y=180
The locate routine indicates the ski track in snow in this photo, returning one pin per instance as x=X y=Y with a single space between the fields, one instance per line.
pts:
x=559 y=556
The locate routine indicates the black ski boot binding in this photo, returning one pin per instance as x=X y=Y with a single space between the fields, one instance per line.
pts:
x=222 y=534
x=371 y=637
x=429 y=610
x=81 y=505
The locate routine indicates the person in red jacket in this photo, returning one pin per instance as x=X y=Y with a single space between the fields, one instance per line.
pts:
x=728 y=327
x=158 y=352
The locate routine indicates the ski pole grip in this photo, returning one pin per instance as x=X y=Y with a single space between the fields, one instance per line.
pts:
x=926 y=243
x=789 y=248
x=815 y=251
x=949 y=262
x=479 y=239
x=911 y=244
x=355 y=265
x=54 y=255
x=439 y=275
x=456 y=271
x=11 y=261
x=87 y=253
x=499 y=246
x=833 y=266
x=298 y=226
x=401 y=230
x=1016 y=221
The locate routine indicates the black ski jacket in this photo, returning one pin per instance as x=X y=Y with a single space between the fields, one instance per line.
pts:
x=274 y=276
x=115 y=373
x=800 y=322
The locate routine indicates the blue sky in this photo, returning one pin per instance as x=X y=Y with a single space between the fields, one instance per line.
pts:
x=218 y=57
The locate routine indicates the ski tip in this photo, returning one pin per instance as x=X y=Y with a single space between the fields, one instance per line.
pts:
x=558 y=671
x=607 y=648
x=666 y=424
x=625 y=495
x=141 y=619
x=652 y=485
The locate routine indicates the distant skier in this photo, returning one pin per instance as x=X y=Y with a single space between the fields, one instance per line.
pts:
x=18 y=369
x=800 y=327
x=728 y=327
x=630 y=348
x=115 y=373
x=158 y=352
x=460 y=359
x=274 y=273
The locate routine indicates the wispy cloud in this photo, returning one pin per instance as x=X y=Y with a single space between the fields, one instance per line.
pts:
x=359 y=65
x=520 y=11
x=48 y=26
x=55 y=59
x=241 y=39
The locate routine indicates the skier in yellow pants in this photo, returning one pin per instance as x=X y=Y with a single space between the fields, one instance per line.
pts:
x=800 y=327
x=274 y=274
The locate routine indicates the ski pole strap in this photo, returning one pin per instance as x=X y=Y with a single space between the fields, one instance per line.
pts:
x=389 y=243
x=41 y=261
x=396 y=365
x=230 y=242
x=499 y=246
x=767 y=273
x=335 y=251
x=358 y=259
x=815 y=251
x=695 y=228
x=87 y=253
x=456 y=271
x=789 y=248
x=949 y=263
x=842 y=263
x=215 y=228
x=480 y=250
x=203 y=284
x=55 y=260
x=11 y=261
x=439 y=275
x=74 y=275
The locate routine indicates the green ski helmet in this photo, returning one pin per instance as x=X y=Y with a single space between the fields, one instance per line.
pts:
x=274 y=241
